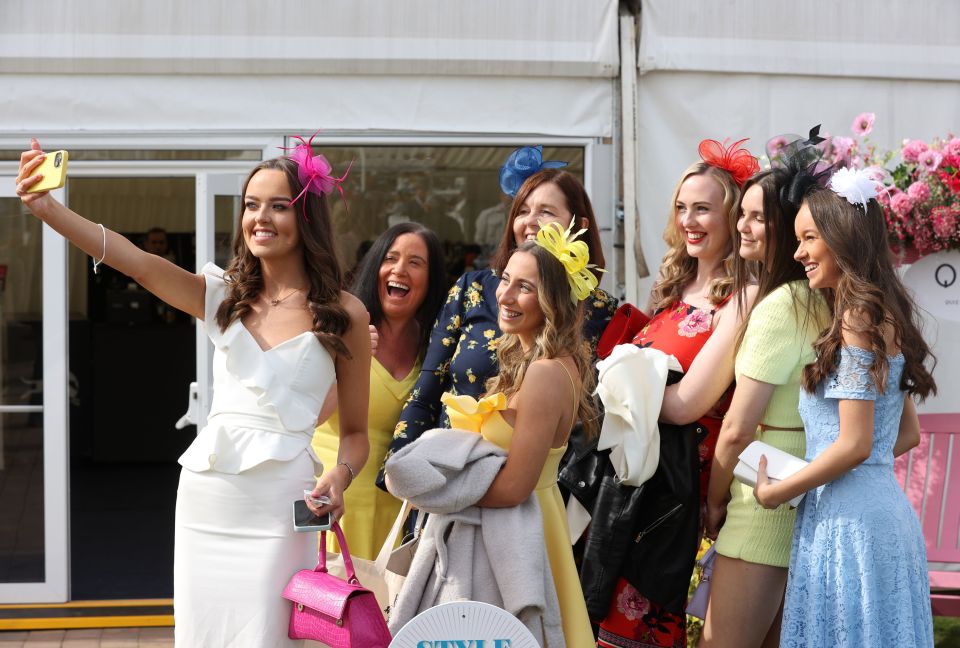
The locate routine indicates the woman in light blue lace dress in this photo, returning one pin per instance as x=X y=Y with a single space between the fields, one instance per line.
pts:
x=858 y=566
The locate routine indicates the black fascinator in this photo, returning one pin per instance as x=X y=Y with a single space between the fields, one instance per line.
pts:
x=801 y=160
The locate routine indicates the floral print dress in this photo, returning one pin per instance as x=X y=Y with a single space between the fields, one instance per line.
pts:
x=462 y=353
x=634 y=621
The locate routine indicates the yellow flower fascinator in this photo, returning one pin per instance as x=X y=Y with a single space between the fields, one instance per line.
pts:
x=573 y=254
x=467 y=413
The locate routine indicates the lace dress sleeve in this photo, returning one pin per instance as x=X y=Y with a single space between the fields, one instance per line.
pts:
x=852 y=379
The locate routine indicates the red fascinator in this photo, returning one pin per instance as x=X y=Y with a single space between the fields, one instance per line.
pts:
x=314 y=171
x=734 y=160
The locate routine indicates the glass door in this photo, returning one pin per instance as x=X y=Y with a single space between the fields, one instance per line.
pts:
x=34 y=467
x=218 y=210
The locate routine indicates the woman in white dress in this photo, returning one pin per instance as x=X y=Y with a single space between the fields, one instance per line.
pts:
x=283 y=333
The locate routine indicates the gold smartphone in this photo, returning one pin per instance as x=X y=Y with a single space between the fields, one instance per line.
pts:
x=54 y=170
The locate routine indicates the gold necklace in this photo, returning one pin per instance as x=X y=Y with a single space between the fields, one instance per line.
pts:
x=274 y=302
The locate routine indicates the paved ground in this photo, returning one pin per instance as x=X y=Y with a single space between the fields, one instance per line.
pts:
x=89 y=638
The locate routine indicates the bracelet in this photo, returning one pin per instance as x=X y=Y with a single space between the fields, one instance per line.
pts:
x=104 y=255
x=353 y=475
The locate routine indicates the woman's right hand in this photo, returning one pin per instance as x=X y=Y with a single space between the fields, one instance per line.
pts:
x=27 y=176
x=716 y=515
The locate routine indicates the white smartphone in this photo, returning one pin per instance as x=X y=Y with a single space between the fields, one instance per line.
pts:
x=306 y=520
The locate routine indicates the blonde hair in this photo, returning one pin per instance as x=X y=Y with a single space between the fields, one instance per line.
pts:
x=561 y=335
x=678 y=268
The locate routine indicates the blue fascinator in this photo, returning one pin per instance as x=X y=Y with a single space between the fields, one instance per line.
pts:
x=520 y=165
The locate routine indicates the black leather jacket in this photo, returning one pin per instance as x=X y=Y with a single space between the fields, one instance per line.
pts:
x=647 y=534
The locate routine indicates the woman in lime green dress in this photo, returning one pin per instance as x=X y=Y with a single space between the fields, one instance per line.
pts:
x=401 y=282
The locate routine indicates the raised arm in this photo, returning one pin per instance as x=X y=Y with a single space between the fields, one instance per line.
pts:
x=174 y=285
x=739 y=428
x=711 y=372
x=769 y=355
x=353 y=395
x=539 y=412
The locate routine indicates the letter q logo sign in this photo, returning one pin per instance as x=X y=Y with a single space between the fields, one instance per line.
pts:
x=935 y=283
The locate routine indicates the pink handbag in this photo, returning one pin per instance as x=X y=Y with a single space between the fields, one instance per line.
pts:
x=341 y=614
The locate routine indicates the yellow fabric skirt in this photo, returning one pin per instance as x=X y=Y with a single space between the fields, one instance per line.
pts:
x=751 y=532
x=368 y=511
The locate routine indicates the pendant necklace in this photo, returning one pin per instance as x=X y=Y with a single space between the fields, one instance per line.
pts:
x=274 y=302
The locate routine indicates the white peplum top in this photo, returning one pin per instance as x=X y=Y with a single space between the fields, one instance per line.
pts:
x=265 y=403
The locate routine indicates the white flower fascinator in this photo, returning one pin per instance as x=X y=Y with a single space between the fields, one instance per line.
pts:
x=856 y=185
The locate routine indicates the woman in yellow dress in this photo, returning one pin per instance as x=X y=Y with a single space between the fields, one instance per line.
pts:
x=401 y=282
x=544 y=386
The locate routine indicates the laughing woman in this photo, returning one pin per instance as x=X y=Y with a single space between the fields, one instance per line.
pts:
x=401 y=282
x=462 y=353
x=695 y=319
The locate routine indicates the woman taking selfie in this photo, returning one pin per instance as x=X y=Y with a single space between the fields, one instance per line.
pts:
x=284 y=333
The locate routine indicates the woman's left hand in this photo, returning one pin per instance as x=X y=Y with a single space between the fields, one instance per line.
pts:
x=765 y=491
x=332 y=484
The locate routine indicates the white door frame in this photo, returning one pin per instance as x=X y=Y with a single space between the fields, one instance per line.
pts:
x=209 y=186
x=55 y=588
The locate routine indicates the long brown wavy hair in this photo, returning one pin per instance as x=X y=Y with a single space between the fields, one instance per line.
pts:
x=244 y=277
x=578 y=202
x=561 y=335
x=679 y=268
x=868 y=286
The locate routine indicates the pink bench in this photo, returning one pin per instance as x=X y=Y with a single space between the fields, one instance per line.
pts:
x=930 y=475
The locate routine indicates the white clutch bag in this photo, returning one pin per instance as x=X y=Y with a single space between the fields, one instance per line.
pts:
x=780 y=465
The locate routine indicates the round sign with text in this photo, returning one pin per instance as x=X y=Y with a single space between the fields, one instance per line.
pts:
x=464 y=624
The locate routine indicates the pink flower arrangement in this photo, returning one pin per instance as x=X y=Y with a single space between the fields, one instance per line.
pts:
x=842 y=146
x=929 y=160
x=919 y=193
x=863 y=124
x=901 y=204
x=912 y=149
x=944 y=221
x=952 y=147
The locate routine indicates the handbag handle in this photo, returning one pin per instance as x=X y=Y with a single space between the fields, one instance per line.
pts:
x=383 y=557
x=344 y=551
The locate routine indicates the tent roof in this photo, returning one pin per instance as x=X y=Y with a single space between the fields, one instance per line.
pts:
x=893 y=39
x=360 y=37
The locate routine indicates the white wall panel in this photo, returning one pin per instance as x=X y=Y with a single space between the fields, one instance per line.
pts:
x=478 y=105
x=905 y=39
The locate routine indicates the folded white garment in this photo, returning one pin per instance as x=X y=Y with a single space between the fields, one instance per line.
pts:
x=631 y=384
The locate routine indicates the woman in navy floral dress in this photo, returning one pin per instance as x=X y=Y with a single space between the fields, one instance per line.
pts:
x=462 y=352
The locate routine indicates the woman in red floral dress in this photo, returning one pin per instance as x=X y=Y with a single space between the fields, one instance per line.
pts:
x=696 y=321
